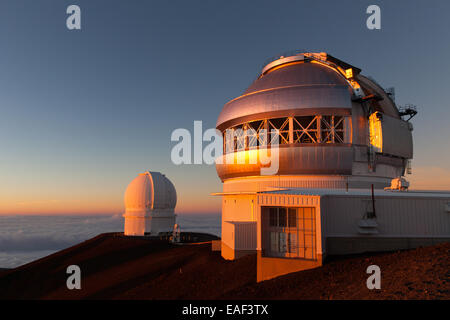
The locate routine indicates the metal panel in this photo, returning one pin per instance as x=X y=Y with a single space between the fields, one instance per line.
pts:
x=397 y=137
x=287 y=99
x=311 y=159
x=299 y=86
x=281 y=61
x=245 y=235
x=239 y=235
x=396 y=216
x=386 y=105
x=301 y=74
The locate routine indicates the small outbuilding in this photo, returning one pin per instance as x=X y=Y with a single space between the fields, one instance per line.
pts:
x=295 y=229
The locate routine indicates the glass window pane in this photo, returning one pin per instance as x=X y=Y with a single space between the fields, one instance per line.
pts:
x=282 y=217
x=293 y=245
x=274 y=241
x=273 y=217
x=282 y=241
x=292 y=218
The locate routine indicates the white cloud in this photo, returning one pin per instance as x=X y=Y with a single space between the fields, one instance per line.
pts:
x=30 y=233
x=26 y=238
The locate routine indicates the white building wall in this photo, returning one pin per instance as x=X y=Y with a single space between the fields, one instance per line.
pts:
x=401 y=221
x=228 y=234
x=153 y=222
x=361 y=178
x=395 y=216
x=134 y=226
x=267 y=183
x=236 y=208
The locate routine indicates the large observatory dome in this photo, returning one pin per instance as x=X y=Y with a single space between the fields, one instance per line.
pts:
x=297 y=88
x=335 y=126
x=306 y=149
x=150 y=190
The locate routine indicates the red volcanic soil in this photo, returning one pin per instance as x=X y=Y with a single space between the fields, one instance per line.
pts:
x=117 y=267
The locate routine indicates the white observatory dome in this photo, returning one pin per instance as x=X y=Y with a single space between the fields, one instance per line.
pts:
x=150 y=190
x=150 y=201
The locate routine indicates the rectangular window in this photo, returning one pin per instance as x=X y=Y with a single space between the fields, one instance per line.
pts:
x=282 y=218
x=273 y=217
x=289 y=232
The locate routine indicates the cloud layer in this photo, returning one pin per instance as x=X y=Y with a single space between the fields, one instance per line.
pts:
x=26 y=238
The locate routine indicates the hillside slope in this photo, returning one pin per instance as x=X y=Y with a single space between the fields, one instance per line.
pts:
x=116 y=267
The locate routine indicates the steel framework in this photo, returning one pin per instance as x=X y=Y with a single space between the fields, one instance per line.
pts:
x=287 y=130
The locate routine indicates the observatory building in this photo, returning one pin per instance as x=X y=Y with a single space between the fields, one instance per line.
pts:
x=150 y=201
x=343 y=147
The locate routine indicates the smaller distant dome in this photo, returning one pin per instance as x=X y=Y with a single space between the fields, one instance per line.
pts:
x=150 y=191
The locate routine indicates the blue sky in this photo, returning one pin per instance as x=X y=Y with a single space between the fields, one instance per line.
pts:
x=83 y=112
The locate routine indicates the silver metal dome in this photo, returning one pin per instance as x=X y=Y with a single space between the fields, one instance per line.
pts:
x=331 y=120
x=289 y=87
x=292 y=90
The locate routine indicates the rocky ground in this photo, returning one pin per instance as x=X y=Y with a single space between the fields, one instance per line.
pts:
x=116 y=267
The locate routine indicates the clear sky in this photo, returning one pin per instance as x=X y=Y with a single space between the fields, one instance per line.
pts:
x=83 y=112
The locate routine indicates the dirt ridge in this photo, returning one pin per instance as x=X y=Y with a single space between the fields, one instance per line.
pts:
x=117 y=267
